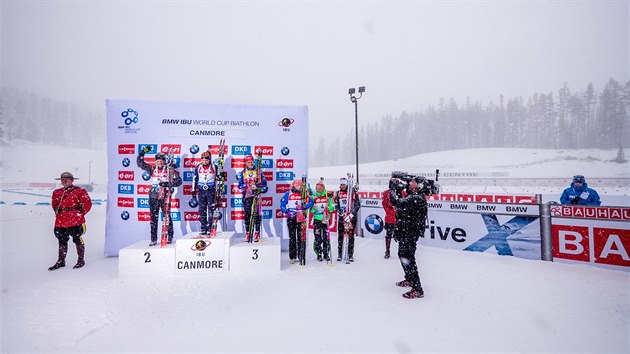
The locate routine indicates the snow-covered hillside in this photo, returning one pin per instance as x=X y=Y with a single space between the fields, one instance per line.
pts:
x=474 y=302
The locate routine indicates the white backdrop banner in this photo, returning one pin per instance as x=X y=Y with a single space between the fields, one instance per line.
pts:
x=281 y=132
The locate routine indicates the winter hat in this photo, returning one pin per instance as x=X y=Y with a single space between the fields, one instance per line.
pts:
x=160 y=157
x=205 y=154
x=65 y=175
x=297 y=184
x=249 y=158
x=343 y=181
x=579 y=179
x=320 y=183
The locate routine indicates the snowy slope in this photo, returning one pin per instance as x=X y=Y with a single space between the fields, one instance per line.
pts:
x=474 y=302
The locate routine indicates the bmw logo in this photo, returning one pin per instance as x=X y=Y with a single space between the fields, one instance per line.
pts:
x=146 y=176
x=374 y=224
x=126 y=162
x=125 y=215
x=285 y=151
x=194 y=149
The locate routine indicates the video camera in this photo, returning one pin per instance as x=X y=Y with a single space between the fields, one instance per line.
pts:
x=400 y=180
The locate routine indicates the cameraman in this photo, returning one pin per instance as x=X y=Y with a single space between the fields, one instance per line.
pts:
x=411 y=213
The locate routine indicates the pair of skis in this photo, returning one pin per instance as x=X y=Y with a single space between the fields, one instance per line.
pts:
x=347 y=226
x=170 y=161
x=256 y=210
x=219 y=185
x=302 y=217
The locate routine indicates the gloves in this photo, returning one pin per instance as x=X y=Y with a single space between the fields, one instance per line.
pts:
x=348 y=218
x=145 y=149
x=194 y=197
x=164 y=184
x=223 y=176
x=575 y=200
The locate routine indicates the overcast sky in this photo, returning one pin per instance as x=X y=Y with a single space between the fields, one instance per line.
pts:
x=408 y=54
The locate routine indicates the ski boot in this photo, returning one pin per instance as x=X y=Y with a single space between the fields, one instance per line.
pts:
x=339 y=259
x=320 y=258
x=153 y=243
x=247 y=237
x=256 y=236
x=403 y=284
x=414 y=294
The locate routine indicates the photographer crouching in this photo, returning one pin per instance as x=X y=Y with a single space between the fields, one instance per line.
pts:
x=411 y=215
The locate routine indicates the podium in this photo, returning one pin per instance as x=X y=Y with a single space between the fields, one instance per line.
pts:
x=256 y=257
x=196 y=254
x=141 y=260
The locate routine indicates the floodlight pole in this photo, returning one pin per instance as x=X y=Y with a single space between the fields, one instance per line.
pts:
x=354 y=100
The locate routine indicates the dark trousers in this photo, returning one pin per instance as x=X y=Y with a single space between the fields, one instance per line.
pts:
x=407 y=254
x=247 y=205
x=206 y=208
x=341 y=228
x=63 y=234
x=322 y=243
x=295 y=234
x=155 y=205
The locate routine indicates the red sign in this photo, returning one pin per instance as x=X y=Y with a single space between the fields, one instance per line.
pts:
x=235 y=190
x=177 y=148
x=191 y=216
x=237 y=215
x=570 y=242
x=268 y=175
x=126 y=149
x=175 y=203
x=214 y=149
x=237 y=163
x=284 y=163
x=589 y=212
x=611 y=246
x=266 y=201
x=144 y=188
x=187 y=189
x=280 y=214
x=191 y=162
x=125 y=175
x=144 y=216
x=124 y=202
x=283 y=188
x=266 y=150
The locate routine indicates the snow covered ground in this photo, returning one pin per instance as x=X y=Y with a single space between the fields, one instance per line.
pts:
x=474 y=302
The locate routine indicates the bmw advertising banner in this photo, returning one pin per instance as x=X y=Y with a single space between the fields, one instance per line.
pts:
x=188 y=129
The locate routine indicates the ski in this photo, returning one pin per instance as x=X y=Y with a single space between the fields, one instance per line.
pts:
x=304 y=213
x=326 y=220
x=219 y=185
x=348 y=225
x=256 y=207
x=167 y=202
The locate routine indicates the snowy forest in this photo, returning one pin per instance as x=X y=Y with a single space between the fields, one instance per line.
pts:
x=572 y=120
x=566 y=119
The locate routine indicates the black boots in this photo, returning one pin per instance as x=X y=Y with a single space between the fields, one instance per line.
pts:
x=81 y=256
x=61 y=261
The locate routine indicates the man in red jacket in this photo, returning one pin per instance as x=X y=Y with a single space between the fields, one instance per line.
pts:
x=70 y=204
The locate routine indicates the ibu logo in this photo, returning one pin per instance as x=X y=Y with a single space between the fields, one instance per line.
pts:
x=284 y=176
x=236 y=202
x=241 y=150
x=267 y=214
x=267 y=163
x=142 y=202
x=188 y=176
x=125 y=189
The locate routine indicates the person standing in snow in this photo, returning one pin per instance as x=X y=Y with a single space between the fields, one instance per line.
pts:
x=291 y=206
x=203 y=186
x=390 y=221
x=160 y=182
x=411 y=214
x=70 y=204
x=252 y=182
x=578 y=193
x=346 y=213
x=321 y=209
